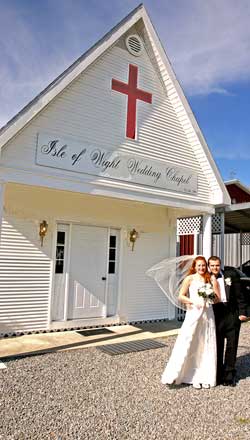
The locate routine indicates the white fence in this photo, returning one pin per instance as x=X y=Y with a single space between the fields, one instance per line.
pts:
x=231 y=249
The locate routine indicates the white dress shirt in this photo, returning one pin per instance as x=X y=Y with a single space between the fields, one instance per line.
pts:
x=223 y=295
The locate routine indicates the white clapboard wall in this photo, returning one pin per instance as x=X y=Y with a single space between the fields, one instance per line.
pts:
x=142 y=299
x=24 y=278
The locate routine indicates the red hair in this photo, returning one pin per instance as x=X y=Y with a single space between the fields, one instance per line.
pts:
x=193 y=270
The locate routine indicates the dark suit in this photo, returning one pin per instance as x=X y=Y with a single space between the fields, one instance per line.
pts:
x=228 y=327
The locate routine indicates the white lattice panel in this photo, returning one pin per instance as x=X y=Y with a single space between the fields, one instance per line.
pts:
x=189 y=225
x=216 y=224
x=245 y=238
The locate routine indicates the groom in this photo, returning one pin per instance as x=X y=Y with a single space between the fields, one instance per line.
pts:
x=229 y=313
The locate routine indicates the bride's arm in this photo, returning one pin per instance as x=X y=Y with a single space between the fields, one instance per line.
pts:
x=216 y=288
x=183 y=295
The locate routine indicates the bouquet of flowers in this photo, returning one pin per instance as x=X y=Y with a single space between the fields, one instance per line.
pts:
x=206 y=292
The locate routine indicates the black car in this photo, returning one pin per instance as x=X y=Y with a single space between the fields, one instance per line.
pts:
x=246 y=268
x=245 y=284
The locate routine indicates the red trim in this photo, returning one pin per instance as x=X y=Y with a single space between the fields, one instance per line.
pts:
x=186 y=244
x=133 y=93
x=237 y=194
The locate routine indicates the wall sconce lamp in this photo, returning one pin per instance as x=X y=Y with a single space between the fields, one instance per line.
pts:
x=43 y=230
x=133 y=235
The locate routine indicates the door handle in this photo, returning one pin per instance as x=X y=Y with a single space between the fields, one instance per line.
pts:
x=104 y=278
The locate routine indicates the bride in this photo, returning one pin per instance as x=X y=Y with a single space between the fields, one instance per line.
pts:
x=193 y=359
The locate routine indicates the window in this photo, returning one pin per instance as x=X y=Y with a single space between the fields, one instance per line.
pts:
x=112 y=254
x=60 y=252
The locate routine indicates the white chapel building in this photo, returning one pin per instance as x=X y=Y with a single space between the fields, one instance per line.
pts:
x=95 y=172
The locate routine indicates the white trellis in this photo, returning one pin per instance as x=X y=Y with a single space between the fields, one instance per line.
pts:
x=189 y=225
x=217 y=224
x=245 y=238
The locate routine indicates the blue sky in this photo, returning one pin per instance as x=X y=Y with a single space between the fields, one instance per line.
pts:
x=208 y=43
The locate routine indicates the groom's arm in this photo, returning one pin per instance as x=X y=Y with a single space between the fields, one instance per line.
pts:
x=237 y=293
x=240 y=297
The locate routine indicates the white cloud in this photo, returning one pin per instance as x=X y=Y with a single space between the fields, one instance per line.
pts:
x=208 y=42
x=232 y=154
x=34 y=54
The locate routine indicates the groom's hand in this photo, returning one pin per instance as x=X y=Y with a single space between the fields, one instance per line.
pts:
x=243 y=318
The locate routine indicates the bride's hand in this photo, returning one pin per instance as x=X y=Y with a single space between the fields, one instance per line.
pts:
x=213 y=279
x=199 y=304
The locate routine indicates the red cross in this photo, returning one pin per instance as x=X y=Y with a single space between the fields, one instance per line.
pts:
x=133 y=94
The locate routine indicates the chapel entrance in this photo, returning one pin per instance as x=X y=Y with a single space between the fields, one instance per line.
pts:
x=85 y=281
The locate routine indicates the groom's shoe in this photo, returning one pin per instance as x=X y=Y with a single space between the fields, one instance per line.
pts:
x=230 y=383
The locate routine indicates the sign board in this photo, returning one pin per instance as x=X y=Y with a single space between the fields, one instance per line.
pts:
x=62 y=153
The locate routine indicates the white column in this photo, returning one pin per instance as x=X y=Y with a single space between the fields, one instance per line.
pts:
x=207 y=236
x=222 y=239
x=240 y=250
x=196 y=242
x=177 y=245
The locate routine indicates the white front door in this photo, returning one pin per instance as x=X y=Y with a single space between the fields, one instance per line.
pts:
x=87 y=272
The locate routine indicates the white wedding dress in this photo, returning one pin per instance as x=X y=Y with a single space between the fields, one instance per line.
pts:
x=193 y=359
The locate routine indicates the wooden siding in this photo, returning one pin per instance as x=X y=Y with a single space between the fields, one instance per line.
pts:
x=88 y=111
x=186 y=244
x=231 y=249
x=238 y=195
x=142 y=299
x=24 y=278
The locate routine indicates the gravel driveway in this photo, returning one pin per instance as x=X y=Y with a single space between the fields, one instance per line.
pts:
x=86 y=394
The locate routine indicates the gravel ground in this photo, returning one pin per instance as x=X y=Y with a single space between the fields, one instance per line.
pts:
x=86 y=394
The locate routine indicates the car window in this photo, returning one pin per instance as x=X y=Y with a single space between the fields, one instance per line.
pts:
x=238 y=271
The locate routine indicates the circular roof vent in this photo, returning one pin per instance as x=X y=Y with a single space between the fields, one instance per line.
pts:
x=134 y=45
